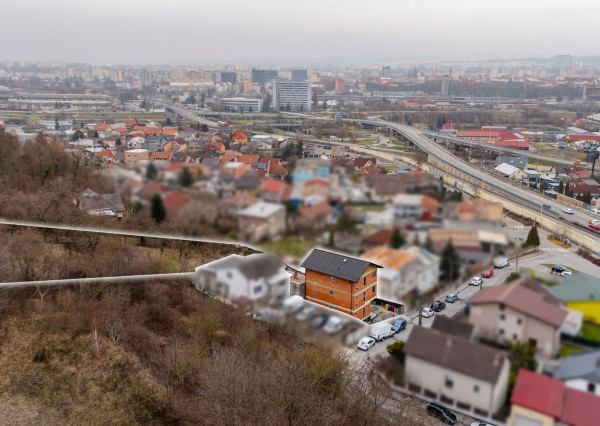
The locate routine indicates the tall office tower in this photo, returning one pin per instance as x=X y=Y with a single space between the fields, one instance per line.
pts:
x=296 y=94
x=445 y=85
x=299 y=75
x=228 y=77
x=262 y=76
x=386 y=71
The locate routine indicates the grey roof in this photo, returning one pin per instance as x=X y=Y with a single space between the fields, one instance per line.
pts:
x=261 y=265
x=577 y=287
x=455 y=353
x=340 y=266
x=89 y=200
x=520 y=162
x=453 y=327
x=585 y=365
x=247 y=182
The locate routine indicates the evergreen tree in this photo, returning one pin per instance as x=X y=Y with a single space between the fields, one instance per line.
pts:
x=299 y=149
x=250 y=110
x=331 y=238
x=324 y=105
x=151 y=171
x=397 y=239
x=185 y=178
x=417 y=240
x=449 y=263
x=96 y=134
x=533 y=238
x=301 y=108
x=567 y=190
x=157 y=209
x=56 y=125
x=202 y=100
x=81 y=124
x=428 y=244
x=118 y=142
x=288 y=108
x=168 y=122
x=561 y=188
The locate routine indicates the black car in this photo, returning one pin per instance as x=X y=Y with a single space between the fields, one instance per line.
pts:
x=438 y=306
x=558 y=269
x=441 y=413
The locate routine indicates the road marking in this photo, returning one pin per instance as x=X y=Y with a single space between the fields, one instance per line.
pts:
x=555 y=249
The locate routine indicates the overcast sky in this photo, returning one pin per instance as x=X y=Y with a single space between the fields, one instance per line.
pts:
x=309 y=31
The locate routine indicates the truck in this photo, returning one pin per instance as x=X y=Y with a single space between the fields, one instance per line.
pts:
x=501 y=262
x=381 y=331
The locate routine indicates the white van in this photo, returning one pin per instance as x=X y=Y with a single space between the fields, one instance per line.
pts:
x=381 y=330
x=293 y=304
x=501 y=262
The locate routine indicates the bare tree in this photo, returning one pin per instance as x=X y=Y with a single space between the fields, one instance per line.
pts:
x=114 y=331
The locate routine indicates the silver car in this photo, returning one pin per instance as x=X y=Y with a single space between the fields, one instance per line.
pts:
x=476 y=281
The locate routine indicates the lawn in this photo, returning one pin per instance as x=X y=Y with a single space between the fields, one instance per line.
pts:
x=289 y=245
x=590 y=331
x=567 y=350
x=550 y=265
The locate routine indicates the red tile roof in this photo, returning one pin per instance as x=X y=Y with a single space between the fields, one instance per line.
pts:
x=273 y=185
x=158 y=155
x=380 y=237
x=100 y=127
x=580 y=408
x=524 y=300
x=105 y=153
x=175 y=201
x=316 y=211
x=239 y=136
x=317 y=181
x=539 y=393
x=360 y=162
x=269 y=160
x=277 y=170
x=248 y=158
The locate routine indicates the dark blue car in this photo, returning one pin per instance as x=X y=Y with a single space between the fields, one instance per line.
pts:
x=399 y=325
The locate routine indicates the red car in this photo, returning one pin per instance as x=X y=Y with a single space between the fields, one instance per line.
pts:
x=488 y=273
x=595 y=227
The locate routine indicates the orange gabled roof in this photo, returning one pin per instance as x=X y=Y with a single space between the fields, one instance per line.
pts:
x=228 y=158
x=101 y=127
x=175 y=201
x=316 y=211
x=172 y=132
x=239 y=135
x=273 y=185
x=248 y=158
x=389 y=258
x=277 y=170
x=158 y=155
x=429 y=203
x=105 y=153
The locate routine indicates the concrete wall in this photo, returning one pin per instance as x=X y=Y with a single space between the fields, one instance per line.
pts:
x=433 y=378
x=582 y=385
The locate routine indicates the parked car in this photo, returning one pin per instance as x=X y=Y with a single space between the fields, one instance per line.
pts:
x=568 y=210
x=488 y=273
x=451 y=297
x=476 y=281
x=441 y=413
x=481 y=424
x=438 y=306
x=594 y=227
x=501 y=262
x=566 y=272
x=594 y=222
x=399 y=325
x=319 y=320
x=333 y=324
x=366 y=343
x=547 y=206
x=381 y=331
x=292 y=304
x=306 y=313
x=427 y=312
x=558 y=269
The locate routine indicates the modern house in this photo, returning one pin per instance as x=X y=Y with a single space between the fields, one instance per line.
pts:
x=341 y=282
x=101 y=204
x=261 y=220
x=456 y=369
x=580 y=292
x=134 y=156
x=514 y=312
x=409 y=208
x=539 y=400
x=257 y=276
x=581 y=371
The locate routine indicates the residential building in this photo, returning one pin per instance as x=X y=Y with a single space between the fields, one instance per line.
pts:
x=511 y=172
x=257 y=276
x=101 y=204
x=161 y=156
x=341 y=282
x=134 y=156
x=229 y=77
x=310 y=168
x=397 y=279
x=274 y=190
x=453 y=327
x=580 y=292
x=518 y=161
x=515 y=312
x=240 y=138
x=295 y=94
x=409 y=208
x=428 y=275
x=316 y=216
x=244 y=104
x=456 y=369
x=581 y=371
x=362 y=162
x=539 y=400
x=261 y=220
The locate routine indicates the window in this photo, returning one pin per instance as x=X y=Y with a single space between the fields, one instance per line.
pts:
x=356 y=305
x=514 y=337
x=502 y=331
x=502 y=317
x=591 y=387
x=374 y=274
x=229 y=274
x=476 y=389
x=364 y=296
x=357 y=288
x=374 y=289
x=519 y=321
x=331 y=278
x=501 y=306
x=331 y=292
x=364 y=281
x=257 y=289
x=449 y=381
x=356 y=297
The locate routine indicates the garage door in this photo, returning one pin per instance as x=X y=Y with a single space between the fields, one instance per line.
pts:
x=525 y=421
